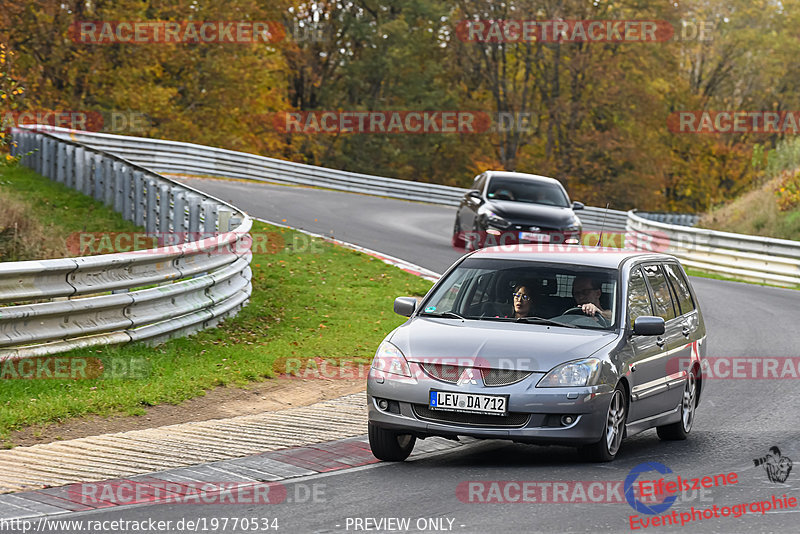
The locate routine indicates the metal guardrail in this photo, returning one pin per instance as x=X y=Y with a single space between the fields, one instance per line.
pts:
x=752 y=258
x=187 y=158
x=678 y=219
x=98 y=300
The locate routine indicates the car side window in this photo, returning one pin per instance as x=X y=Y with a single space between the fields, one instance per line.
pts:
x=680 y=287
x=662 y=298
x=638 y=297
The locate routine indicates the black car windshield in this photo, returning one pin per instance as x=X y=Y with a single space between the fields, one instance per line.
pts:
x=522 y=190
x=527 y=292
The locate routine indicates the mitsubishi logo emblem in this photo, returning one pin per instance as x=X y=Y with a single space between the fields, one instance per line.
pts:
x=467 y=377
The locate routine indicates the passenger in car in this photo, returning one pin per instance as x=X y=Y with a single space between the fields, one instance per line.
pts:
x=523 y=300
x=586 y=292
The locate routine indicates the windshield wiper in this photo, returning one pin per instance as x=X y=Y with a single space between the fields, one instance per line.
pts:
x=445 y=315
x=542 y=320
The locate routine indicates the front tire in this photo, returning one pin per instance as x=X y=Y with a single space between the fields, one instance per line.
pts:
x=390 y=446
x=474 y=241
x=458 y=236
x=680 y=430
x=607 y=448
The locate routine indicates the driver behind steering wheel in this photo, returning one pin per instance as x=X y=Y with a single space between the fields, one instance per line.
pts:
x=586 y=292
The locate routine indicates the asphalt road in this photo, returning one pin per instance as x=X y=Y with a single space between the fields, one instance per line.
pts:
x=737 y=421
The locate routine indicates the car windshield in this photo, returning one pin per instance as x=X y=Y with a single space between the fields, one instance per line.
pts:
x=522 y=190
x=526 y=291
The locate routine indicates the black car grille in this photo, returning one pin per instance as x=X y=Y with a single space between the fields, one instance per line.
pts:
x=491 y=377
x=513 y=419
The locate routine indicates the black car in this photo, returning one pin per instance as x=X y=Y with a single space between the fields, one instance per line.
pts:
x=507 y=208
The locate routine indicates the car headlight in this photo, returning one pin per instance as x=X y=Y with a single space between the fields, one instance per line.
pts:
x=581 y=373
x=389 y=359
x=497 y=221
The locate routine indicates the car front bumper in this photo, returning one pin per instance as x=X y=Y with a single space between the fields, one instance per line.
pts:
x=534 y=413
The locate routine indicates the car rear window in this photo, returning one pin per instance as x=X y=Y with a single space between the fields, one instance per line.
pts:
x=681 y=288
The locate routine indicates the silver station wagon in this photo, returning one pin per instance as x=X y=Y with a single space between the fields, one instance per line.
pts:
x=572 y=346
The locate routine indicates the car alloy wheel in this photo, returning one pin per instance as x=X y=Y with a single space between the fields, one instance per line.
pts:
x=615 y=422
x=606 y=449
x=680 y=430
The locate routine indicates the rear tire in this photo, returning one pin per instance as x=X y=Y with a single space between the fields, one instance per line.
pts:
x=680 y=430
x=607 y=448
x=390 y=446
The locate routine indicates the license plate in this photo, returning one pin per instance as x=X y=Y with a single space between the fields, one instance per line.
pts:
x=468 y=402
x=534 y=237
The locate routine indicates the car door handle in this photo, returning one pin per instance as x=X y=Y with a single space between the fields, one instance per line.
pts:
x=686 y=330
x=660 y=341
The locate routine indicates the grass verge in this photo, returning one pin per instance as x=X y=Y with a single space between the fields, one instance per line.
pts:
x=755 y=213
x=716 y=276
x=38 y=216
x=311 y=301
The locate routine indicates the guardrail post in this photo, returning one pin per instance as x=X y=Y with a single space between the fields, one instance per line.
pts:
x=99 y=178
x=224 y=217
x=88 y=173
x=52 y=166
x=126 y=175
x=209 y=217
x=69 y=166
x=151 y=213
x=42 y=155
x=108 y=182
x=118 y=179
x=163 y=210
x=61 y=156
x=138 y=198
x=79 y=168
x=15 y=140
x=17 y=144
x=179 y=213
x=39 y=156
x=194 y=215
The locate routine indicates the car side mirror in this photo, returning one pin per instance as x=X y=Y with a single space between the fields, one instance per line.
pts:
x=405 y=306
x=578 y=205
x=475 y=194
x=649 y=325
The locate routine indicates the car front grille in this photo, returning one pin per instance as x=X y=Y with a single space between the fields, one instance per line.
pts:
x=491 y=377
x=503 y=377
x=443 y=372
x=513 y=419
